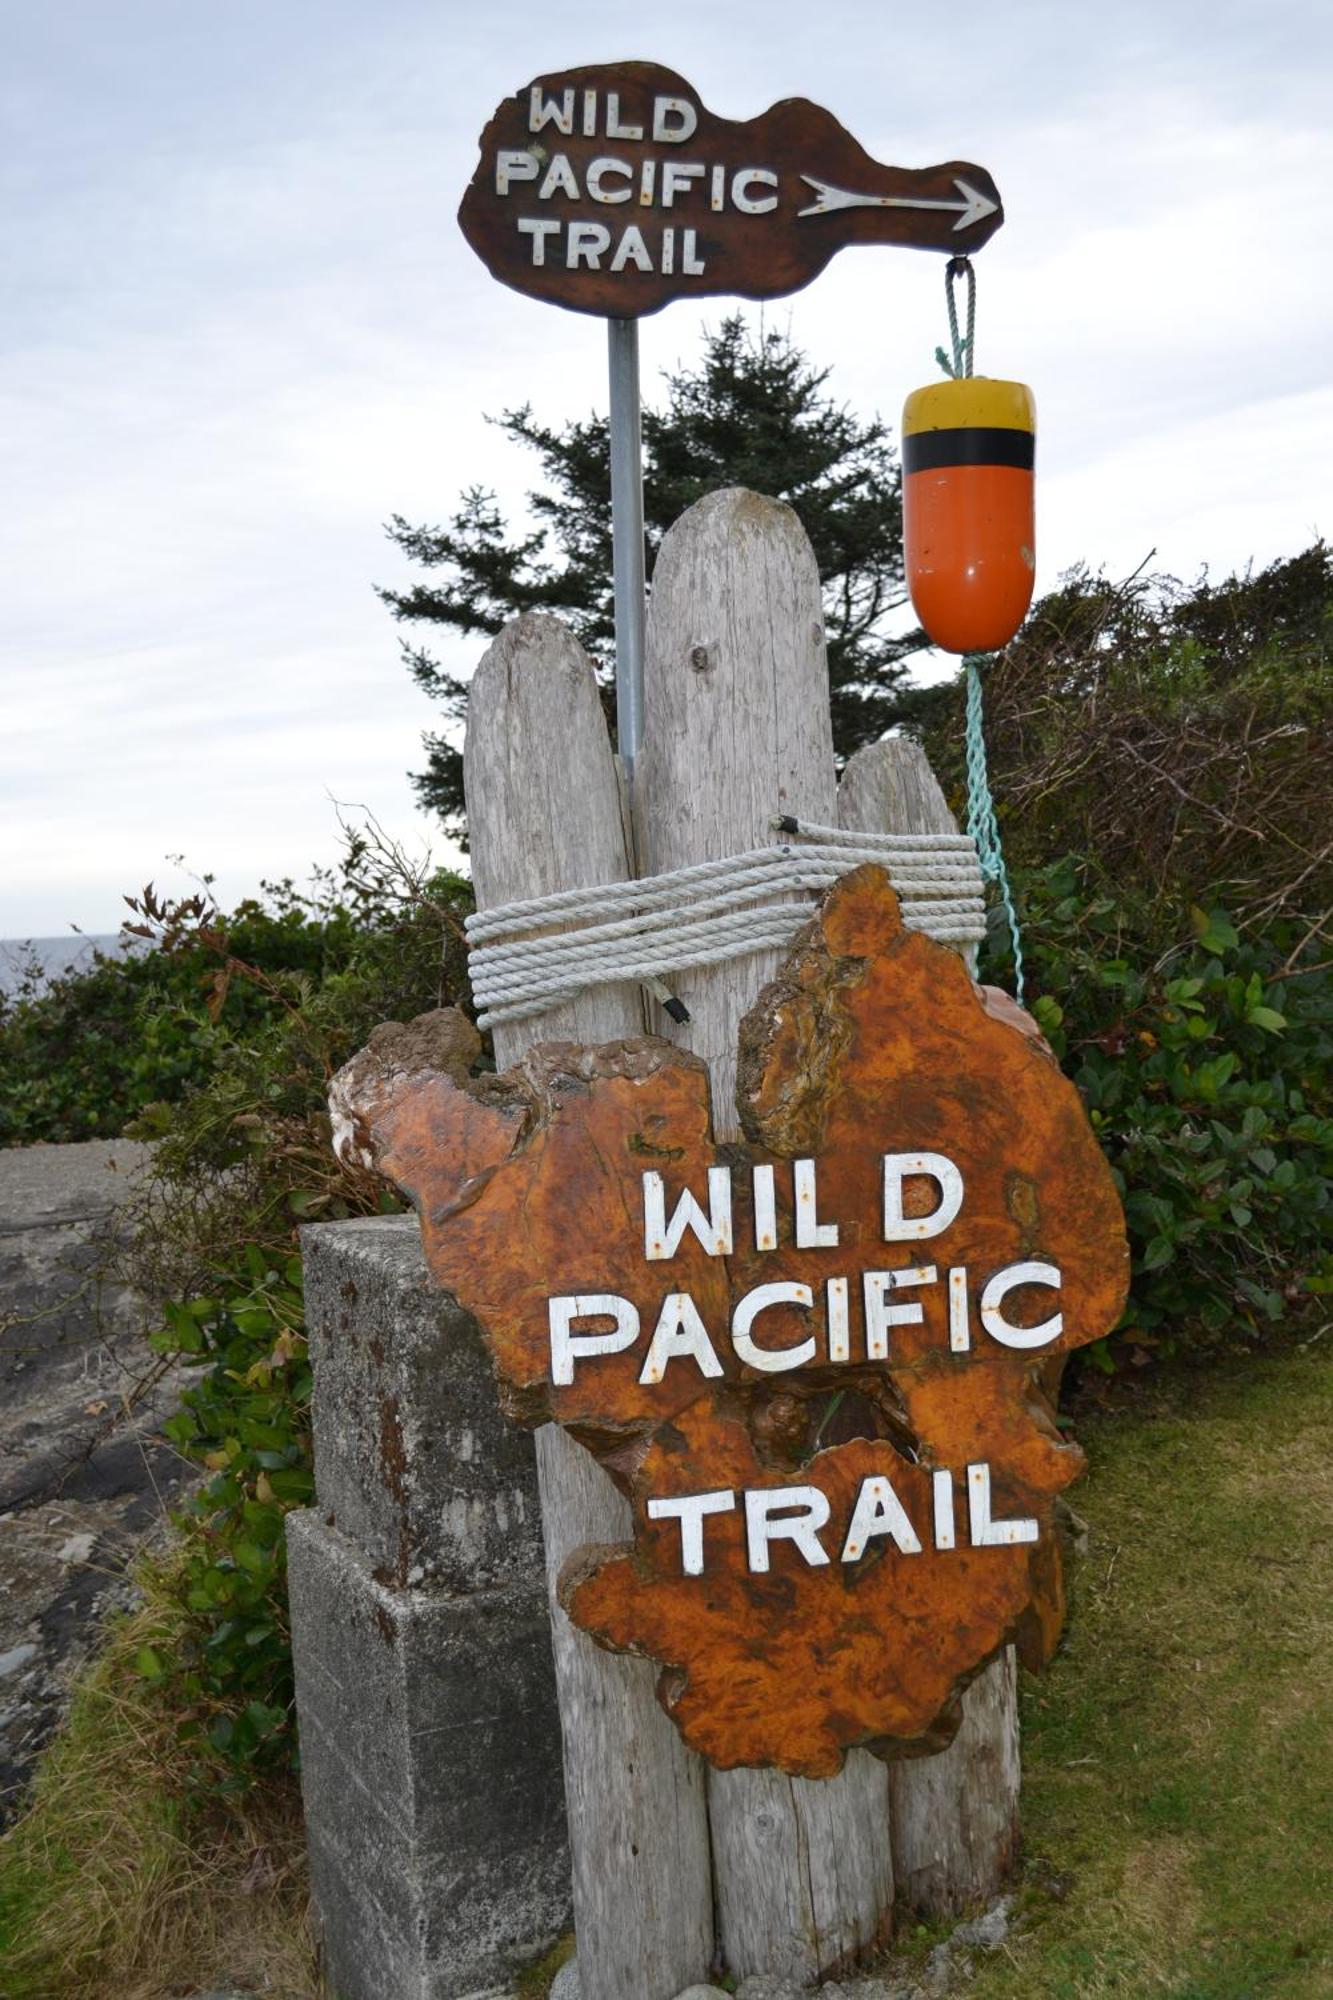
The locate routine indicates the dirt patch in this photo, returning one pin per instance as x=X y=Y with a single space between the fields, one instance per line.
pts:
x=1159 y=1893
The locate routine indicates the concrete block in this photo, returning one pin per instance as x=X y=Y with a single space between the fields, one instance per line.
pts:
x=431 y=1772
x=413 y=1460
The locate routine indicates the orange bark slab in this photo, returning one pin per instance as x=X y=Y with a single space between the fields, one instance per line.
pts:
x=873 y=1042
x=528 y=1186
x=795 y=1665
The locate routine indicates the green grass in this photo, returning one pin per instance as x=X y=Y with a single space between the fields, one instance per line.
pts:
x=1178 y=1756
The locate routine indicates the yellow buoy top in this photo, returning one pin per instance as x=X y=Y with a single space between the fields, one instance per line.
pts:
x=970 y=402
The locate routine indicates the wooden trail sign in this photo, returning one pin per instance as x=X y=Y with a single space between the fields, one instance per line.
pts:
x=674 y=1861
x=613 y=189
x=812 y=1362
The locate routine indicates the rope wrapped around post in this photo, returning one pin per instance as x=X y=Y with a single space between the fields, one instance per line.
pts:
x=702 y=915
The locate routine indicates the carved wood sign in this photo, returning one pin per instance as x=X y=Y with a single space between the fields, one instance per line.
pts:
x=814 y=1362
x=614 y=189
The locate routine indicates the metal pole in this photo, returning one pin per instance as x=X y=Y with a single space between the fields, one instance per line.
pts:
x=622 y=336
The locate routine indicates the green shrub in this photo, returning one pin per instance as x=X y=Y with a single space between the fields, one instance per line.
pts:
x=82 y=1056
x=246 y=1421
x=242 y=1159
x=1179 y=739
x=1207 y=1071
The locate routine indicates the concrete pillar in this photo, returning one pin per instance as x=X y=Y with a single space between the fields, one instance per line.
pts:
x=430 y=1740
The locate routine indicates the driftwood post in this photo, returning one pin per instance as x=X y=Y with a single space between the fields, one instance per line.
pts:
x=736 y=729
x=955 y=1816
x=544 y=813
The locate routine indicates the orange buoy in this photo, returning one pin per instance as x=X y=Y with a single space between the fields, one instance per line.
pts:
x=968 y=539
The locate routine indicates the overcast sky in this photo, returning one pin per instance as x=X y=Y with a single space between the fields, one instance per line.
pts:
x=243 y=329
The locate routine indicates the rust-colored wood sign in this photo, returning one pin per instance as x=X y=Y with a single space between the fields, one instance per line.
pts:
x=815 y=1362
x=614 y=189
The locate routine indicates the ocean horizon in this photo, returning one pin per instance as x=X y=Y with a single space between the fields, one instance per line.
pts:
x=53 y=957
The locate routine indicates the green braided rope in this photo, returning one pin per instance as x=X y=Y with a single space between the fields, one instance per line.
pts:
x=981 y=822
x=964 y=346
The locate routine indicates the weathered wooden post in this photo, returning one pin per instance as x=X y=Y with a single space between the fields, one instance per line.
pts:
x=545 y=814
x=737 y=729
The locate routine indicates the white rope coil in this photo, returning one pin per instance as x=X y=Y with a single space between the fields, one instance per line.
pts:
x=703 y=915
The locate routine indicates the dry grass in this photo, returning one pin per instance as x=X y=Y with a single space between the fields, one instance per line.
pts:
x=115 y=1885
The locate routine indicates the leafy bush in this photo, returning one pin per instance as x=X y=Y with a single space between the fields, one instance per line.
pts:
x=242 y=1159
x=247 y=1422
x=1178 y=742
x=82 y=1055
x=1179 y=739
x=1207 y=1071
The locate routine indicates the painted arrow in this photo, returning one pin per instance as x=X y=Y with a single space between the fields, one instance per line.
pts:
x=974 y=207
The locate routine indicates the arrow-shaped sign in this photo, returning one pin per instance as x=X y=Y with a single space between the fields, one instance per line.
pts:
x=612 y=188
x=974 y=207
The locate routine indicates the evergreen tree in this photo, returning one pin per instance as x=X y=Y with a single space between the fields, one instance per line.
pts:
x=753 y=413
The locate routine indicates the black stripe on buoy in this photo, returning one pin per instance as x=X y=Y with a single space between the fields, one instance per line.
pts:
x=977 y=444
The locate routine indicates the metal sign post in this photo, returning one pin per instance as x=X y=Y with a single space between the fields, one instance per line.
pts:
x=622 y=340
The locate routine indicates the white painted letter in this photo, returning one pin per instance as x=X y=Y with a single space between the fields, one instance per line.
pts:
x=988 y=1534
x=942 y=1484
x=765 y=1209
x=879 y=1511
x=839 y=1337
x=770 y=1361
x=811 y=1233
x=750 y=204
x=689 y=1509
x=585 y=244
x=677 y=109
x=614 y=128
x=676 y=178
x=960 y=1334
x=539 y=229
x=691 y=263
x=761 y=1528
x=597 y=172
x=899 y=1167
x=567 y=1347
x=550 y=111
x=632 y=249
x=880 y=1315
x=559 y=179
x=679 y=1330
x=511 y=167
x=1006 y=1281
x=713 y=1230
